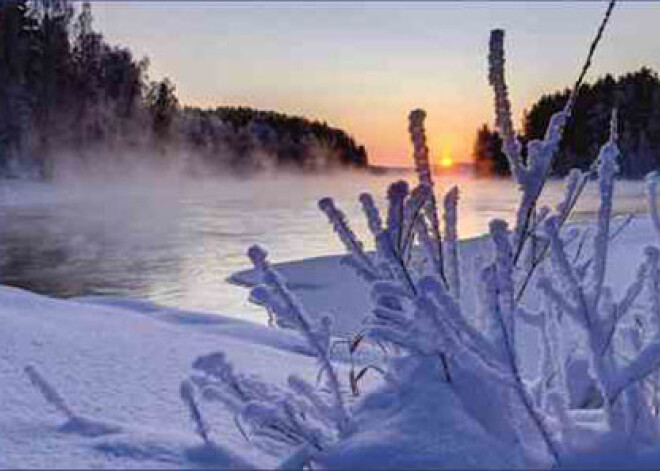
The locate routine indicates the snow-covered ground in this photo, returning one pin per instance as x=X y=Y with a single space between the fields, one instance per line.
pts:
x=118 y=364
x=121 y=364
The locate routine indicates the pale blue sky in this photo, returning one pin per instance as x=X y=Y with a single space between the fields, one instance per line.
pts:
x=362 y=66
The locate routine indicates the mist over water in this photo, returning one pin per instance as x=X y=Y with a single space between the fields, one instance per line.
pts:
x=175 y=240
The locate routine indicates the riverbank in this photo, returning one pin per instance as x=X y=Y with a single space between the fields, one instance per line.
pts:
x=118 y=364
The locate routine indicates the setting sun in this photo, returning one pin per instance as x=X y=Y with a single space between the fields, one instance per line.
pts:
x=445 y=159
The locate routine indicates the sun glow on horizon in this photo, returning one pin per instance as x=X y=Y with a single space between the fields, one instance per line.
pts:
x=445 y=159
x=446 y=162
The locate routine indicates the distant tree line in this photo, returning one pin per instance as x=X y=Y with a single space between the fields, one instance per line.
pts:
x=255 y=140
x=636 y=96
x=66 y=94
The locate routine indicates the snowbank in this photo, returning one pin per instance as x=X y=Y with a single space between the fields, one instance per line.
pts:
x=118 y=364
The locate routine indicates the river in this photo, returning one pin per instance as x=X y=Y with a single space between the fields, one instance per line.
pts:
x=175 y=241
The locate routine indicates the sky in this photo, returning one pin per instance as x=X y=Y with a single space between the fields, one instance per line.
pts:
x=362 y=66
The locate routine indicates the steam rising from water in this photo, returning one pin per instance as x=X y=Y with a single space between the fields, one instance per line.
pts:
x=174 y=239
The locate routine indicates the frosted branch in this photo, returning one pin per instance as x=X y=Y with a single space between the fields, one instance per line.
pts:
x=451 y=242
x=370 y=209
x=424 y=173
x=346 y=235
x=503 y=116
x=396 y=195
x=607 y=168
x=318 y=338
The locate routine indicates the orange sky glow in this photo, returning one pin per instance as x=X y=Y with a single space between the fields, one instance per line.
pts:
x=363 y=66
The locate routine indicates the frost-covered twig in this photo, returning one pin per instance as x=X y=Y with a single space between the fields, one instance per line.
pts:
x=591 y=305
x=647 y=359
x=347 y=236
x=428 y=246
x=451 y=242
x=317 y=337
x=504 y=286
x=592 y=48
x=424 y=173
x=531 y=178
x=503 y=308
x=411 y=213
x=396 y=196
x=394 y=261
x=622 y=226
x=75 y=423
x=503 y=119
x=270 y=413
x=370 y=209
x=420 y=149
x=607 y=169
x=610 y=322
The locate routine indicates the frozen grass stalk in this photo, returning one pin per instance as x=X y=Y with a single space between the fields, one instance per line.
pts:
x=531 y=177
x=371 y=212
x=425 y=176
x=451 y=241
x=353 y=245
x=318 y=338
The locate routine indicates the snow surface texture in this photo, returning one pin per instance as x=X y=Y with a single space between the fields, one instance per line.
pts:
x=118 y=368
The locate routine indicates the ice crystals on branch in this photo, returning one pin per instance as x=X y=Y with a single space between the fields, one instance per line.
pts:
x=357 y=257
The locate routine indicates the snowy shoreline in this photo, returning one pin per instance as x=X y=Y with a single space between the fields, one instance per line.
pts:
x=121 y=361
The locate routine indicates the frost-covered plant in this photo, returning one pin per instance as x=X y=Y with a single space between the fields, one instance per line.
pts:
x=422 y=317
x=357 y=258
x=271 y=417
x=302 y=418
x=530 y=173
x=619 y=359
x=317 y=334
x=421 y=314
x=425 y=177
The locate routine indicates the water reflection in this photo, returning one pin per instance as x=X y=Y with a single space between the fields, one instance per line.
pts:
x=175 y=242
